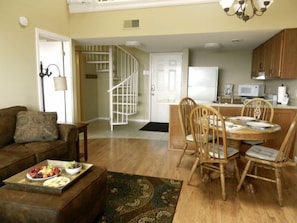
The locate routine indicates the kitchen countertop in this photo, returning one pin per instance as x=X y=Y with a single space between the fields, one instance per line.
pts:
x=240 y=105
x=276 y=106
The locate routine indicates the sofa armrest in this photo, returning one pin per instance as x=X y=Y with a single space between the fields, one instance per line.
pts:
x=69 y=133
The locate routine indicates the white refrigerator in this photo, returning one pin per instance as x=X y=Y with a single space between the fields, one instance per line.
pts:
x=203 y=83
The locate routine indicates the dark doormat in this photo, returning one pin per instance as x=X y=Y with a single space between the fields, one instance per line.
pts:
x=155 y=126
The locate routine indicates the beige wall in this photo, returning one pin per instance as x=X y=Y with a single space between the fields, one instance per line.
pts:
x=19 y=74
x=179 y=20
x=234 y=66
x=19 y=71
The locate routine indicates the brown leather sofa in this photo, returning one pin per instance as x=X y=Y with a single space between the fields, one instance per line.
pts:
x=15 y=157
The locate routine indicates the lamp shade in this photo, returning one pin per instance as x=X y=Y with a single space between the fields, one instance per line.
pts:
x=262 y=3
x=226 y=3
x=60 y=83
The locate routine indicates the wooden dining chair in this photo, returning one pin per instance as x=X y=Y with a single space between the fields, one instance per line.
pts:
x=260 y=109
x=184 y=108
x=213 y=154
x=269 y=158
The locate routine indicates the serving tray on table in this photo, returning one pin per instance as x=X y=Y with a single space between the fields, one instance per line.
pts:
x=23 y=182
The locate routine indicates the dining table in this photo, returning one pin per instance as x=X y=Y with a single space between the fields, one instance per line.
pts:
x=239 y=128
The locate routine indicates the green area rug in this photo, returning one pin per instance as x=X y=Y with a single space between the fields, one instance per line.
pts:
x=134 y=198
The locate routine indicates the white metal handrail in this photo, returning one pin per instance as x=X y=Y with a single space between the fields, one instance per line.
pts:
x=124 y=95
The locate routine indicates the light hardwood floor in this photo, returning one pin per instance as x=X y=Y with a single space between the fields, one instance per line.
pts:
x=198 y=202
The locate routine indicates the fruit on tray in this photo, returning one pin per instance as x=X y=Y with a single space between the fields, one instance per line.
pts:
x=44 y=171
x=73 y=165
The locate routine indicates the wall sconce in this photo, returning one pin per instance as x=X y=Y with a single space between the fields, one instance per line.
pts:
x=60 y=81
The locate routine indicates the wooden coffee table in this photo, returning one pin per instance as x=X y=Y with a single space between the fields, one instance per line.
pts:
x=81 y=202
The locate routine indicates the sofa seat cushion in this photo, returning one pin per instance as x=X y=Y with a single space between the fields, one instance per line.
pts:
x=47 y=150
x=35 y=126
x=13 y=159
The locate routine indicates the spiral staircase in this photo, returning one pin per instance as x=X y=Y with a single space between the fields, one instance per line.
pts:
x=123 y=80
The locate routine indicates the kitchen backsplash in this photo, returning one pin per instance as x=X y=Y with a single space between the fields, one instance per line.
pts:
x=271 y=87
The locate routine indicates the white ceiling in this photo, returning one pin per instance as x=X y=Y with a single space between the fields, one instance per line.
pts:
x=175 y=43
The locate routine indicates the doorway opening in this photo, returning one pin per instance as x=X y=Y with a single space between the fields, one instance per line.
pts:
x=54 y=49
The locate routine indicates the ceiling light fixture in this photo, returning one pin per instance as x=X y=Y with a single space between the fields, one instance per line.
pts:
x=133 y=43
x=241 y=7
x=212 y=45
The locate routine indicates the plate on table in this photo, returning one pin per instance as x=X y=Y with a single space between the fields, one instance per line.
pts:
x=43 y=172
x=243 y=118
x=227 y=124
x=259 y=124
x=56 y=182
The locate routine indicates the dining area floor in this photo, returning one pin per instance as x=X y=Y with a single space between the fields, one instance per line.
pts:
x=146 y=153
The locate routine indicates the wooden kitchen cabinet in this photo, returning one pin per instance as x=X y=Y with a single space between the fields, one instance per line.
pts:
x=272 y=56
x=283 y=117
x=266 y=59
x=289 y=54
x=175 y=137
x=229 y=111
x=275 y=49
x=276 y=58
x=258 y=61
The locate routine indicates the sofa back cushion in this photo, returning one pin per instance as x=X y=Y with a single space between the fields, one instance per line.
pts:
x=35 y=126
x=8 y=118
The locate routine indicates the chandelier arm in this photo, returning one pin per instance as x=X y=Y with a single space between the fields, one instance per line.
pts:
x=241 y=13
x=230 y=14
x=257 y=11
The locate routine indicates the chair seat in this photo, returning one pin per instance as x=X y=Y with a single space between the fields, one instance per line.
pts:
x=262 y=152
x=230 y=152
x=190 y=138
x=271 y=159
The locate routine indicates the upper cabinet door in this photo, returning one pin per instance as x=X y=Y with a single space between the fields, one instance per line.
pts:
x=276 y=58
x=258 y=61
x=276 y=45
x=289 y=54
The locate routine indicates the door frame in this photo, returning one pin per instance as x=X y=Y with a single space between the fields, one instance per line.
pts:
x=69 y=94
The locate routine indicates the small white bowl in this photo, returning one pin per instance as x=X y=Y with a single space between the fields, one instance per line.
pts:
x=73 y=171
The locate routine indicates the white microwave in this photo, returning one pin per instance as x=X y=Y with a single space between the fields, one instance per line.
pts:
x=251 y=90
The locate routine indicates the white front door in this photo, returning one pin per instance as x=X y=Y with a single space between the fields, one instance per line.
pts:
x=165 y=84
